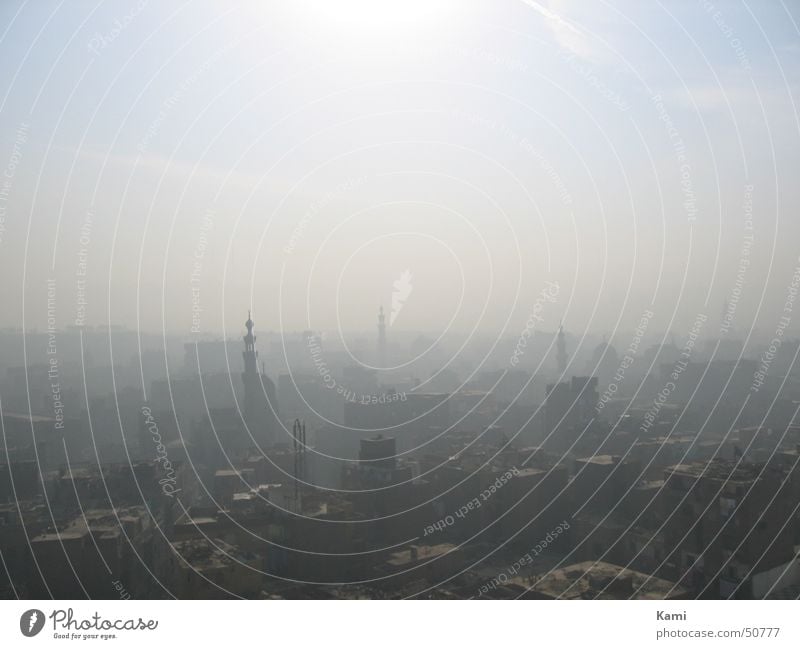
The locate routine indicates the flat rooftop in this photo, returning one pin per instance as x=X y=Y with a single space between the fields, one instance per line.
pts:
x=725 y=470
x=599 y=459
x=601 y=580
x=424 y=552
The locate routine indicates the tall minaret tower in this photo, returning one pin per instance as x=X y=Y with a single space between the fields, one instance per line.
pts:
x=250 y=378
x=260 y=403
x=381 y=338
x=561 y=351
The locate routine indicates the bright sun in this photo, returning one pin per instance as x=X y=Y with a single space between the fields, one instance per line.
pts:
x=373 y=18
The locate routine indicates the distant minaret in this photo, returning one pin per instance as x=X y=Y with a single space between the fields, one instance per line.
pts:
x=561 y=351
x=250 y=378
x=381 y=338
x=260 y=404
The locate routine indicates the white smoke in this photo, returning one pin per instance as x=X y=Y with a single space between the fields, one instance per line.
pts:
x=402 y=289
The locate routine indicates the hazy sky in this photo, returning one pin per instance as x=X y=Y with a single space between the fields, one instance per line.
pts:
x=301 y=157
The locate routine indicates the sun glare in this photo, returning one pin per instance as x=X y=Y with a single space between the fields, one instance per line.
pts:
x=373 y=18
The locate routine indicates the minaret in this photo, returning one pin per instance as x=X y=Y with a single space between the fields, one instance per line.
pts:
x=260 y=403
x=381 y=338
x=250 y=378
x=561 y=351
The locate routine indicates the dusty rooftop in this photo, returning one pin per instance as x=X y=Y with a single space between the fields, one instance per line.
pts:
x=601 y=580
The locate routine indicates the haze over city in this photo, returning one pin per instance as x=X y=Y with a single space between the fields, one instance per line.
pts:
x=382 y=300
x=299 y=159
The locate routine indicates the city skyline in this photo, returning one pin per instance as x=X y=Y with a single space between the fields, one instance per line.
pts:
x=374 y=300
